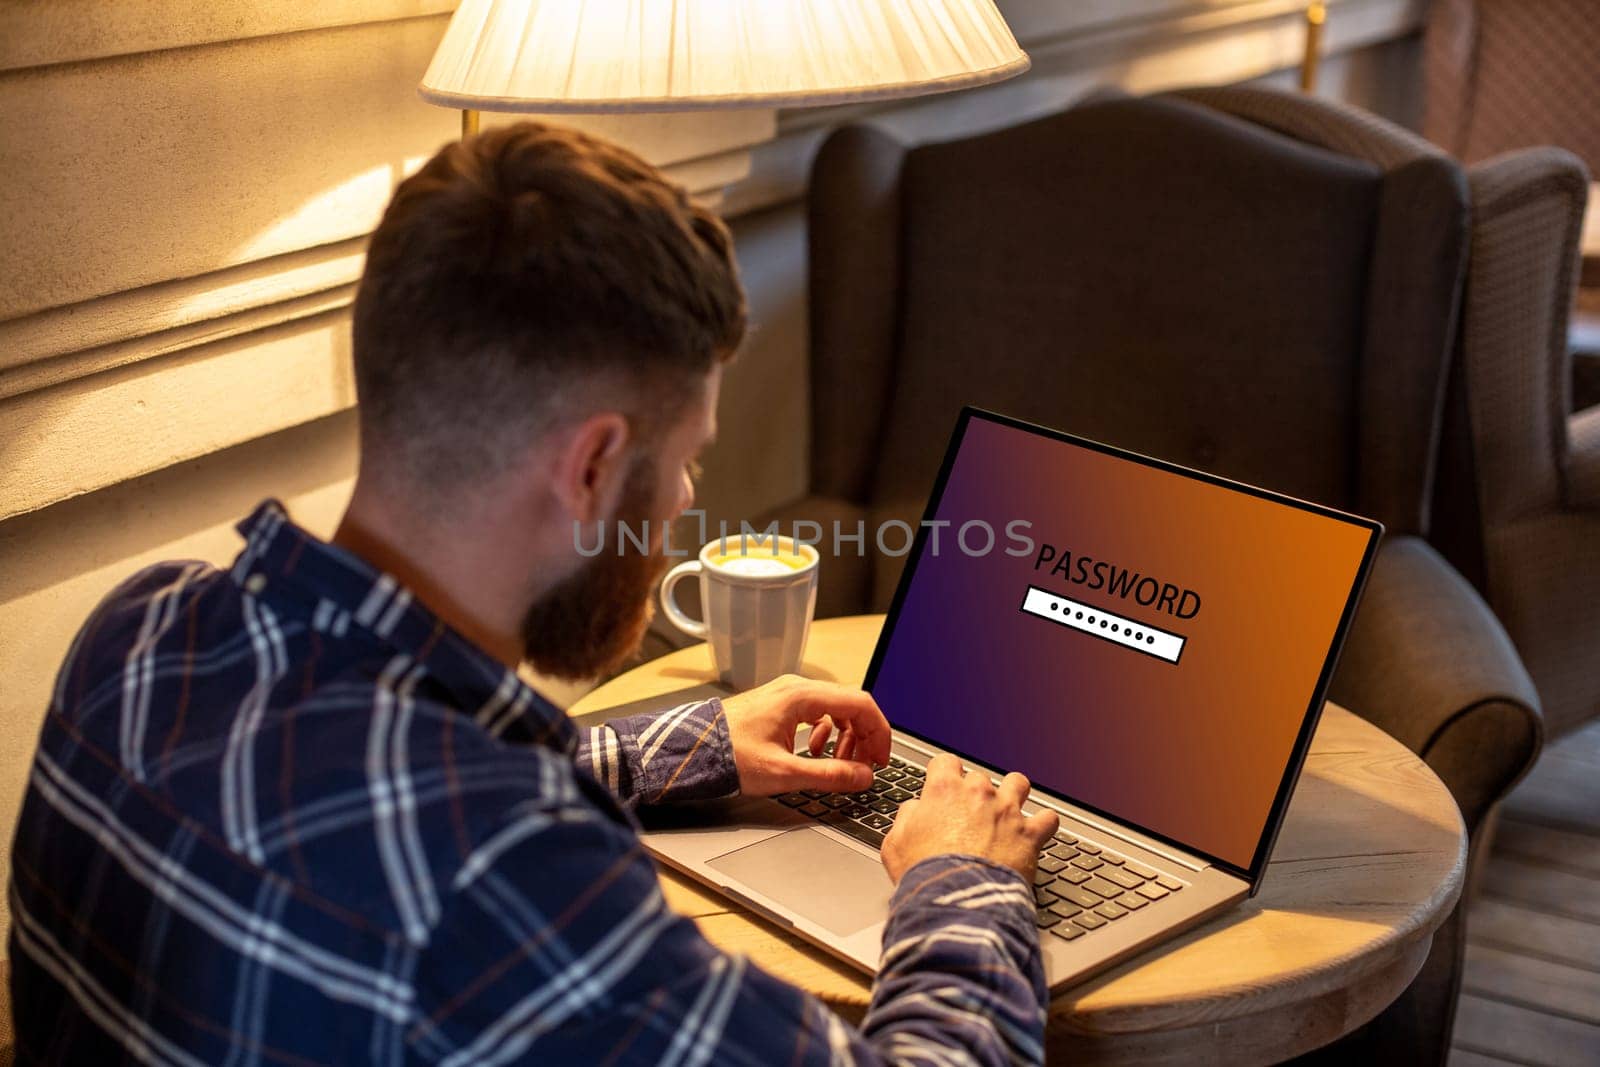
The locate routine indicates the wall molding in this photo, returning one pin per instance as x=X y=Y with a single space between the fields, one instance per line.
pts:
x=78 y=31
x=63 y=343
x=168 y=215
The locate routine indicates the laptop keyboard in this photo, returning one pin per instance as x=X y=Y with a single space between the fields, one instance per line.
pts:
x=1079 y=886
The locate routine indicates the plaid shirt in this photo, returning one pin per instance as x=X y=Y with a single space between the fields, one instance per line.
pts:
x=282 y=814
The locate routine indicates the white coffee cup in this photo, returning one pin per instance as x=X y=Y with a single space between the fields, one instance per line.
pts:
x=758 y=595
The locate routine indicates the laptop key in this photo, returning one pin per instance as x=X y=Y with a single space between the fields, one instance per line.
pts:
x=1168 y=883
x=1122 y=878
x=1087 y=863
x=878 y=822
x=836 y=800
x=1112 y=857
x=814 y=809
x=1140 y=869
x=883 y=806
x=1067 y=932
x=1089 y=847
x=866 y=796
x=1088 y=920
x=1042 y=895
x=1043 y=877
x=1154 y=892
x=899 y=796
x=1046 y=919
x=855 y=811
x=1065 y=838
x=1110 y=910
x=1075 y=876
x=1078 y=895
x=792 y=800
x=1064 y=908
x=1062 y=852
x=1105 y=888
x=1051 y=864
x=1131 y=901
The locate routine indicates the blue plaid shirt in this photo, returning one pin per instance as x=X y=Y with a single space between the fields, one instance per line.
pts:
x=284 y=815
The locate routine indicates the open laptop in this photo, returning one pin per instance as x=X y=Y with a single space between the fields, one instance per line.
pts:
x=1149 y=644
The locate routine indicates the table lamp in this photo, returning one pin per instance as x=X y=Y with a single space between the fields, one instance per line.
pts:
x=568 y=56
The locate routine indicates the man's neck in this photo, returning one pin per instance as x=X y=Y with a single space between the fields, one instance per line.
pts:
x=444 y=573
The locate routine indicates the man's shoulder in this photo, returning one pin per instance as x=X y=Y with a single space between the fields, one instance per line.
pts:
x=175 y=581
x=142 y=611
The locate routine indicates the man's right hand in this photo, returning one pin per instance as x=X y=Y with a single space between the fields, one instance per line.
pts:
x=966 y=813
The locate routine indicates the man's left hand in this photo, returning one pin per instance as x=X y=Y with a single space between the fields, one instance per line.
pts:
x=762 y=724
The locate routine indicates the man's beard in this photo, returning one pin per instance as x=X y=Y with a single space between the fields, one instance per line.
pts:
x=591 y=622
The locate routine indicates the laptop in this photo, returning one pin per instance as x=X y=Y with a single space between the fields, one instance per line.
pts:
x=1150 y=645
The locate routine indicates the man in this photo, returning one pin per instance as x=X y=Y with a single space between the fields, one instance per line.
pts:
x=304 y=810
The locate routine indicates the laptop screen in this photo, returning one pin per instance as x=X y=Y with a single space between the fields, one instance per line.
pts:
x=1144 y=641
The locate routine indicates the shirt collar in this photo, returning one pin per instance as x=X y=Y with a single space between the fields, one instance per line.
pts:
x=337 y=591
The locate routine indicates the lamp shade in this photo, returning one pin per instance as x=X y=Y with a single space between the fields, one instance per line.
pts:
x=681 y=55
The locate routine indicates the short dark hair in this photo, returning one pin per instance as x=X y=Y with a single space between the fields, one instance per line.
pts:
x=516 y=265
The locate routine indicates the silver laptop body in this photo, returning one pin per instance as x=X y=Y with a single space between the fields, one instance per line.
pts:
x=1106 y=889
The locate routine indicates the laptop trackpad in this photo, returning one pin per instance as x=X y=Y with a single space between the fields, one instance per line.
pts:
x=813 y=875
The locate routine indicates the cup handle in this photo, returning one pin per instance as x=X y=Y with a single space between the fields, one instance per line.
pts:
x=669 y=606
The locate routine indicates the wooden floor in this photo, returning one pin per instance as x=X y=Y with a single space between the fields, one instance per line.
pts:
x=1531 y=993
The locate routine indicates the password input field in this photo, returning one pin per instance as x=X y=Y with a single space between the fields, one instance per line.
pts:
x=1106 y=625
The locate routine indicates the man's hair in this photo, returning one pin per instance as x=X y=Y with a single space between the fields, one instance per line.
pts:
x=523 y=270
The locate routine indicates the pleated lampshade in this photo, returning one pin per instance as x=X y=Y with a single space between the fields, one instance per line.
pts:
x=681 y=55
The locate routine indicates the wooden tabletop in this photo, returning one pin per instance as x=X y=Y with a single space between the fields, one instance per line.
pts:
x=1369 y=863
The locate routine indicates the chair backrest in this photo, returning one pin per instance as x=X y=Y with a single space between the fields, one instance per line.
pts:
x=1147 y=272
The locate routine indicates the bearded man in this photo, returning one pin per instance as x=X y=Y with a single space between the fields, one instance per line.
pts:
x=305 y=810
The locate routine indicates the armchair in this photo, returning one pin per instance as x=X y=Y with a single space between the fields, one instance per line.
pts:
x=1237 y=280
x=1518 y=503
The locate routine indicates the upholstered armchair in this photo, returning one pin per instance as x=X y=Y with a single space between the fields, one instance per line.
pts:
x=1245 y=282
x=1518 y=501
x=1519 y=491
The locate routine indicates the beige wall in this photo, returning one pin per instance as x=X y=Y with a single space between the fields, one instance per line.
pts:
x=187 y=190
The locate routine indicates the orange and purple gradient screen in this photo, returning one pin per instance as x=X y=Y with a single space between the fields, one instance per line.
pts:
x=1192 y=750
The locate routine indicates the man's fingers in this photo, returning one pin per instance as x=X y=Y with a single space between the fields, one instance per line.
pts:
x=1043 y=824
x=1014 y=788
x=845 y=749
x=943 y=765
x=852 y=709
x=819 y=735
x=834 y=775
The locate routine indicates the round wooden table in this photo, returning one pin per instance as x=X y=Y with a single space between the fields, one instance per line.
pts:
x=1368 y=864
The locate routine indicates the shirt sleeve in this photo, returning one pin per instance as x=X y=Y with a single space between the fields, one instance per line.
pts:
x=556 y=946
x=677 y=755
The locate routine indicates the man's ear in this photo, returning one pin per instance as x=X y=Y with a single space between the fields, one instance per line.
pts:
x=590 y=466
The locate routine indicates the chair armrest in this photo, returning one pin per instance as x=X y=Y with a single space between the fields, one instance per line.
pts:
x=1428 y=662
x=1583 y=460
